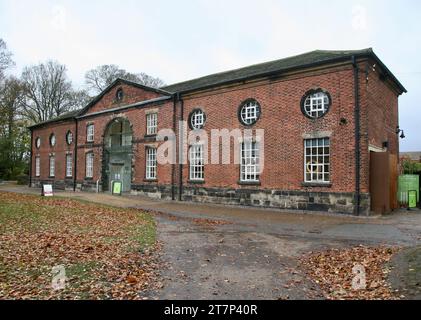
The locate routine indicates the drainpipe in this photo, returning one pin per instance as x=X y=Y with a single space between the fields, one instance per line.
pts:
x=75 y=156
x=30 y=159
x=174 y=127
x=357 y=199
x=180 y=149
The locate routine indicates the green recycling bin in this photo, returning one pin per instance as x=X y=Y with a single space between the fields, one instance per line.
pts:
x=412 y=199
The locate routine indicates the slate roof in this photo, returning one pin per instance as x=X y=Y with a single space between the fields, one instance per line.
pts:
x=309 y=59
x=63 y=117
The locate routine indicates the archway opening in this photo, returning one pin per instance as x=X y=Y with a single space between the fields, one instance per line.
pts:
x=118 y=154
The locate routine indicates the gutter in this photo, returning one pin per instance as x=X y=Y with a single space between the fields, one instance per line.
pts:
x=126 y=107
x=357 y=197
x=180 y=148
x=173 y=166
x=75 y=156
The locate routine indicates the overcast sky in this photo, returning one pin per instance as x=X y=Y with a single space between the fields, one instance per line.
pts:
x=180 y=40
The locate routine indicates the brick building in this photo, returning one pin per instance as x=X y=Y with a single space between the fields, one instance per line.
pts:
x=329 y=121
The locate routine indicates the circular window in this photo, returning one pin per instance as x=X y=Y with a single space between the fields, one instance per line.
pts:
x=38 y=142
x=197 y=119
x=53 y=140
x=249 y=112
x=119 y=95
x=315 y=104
x=69 y=137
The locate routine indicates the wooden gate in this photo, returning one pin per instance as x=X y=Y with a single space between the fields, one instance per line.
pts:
x=383 y=182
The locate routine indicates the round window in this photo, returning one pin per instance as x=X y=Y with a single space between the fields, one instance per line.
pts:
x=197 y=119
x=249 y=112
x=53 y=140
x=315 y=104
x=38 y=142
x=69 y=137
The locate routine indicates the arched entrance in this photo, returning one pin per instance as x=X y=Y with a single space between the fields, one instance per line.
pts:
x=118 y=154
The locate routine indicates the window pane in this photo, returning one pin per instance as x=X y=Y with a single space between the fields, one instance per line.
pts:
x=317 y=160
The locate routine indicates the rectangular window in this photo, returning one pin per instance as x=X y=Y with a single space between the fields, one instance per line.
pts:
x=37 y=166
x=89 y=165
x=90 y=133
x=250 y=169
x=69 y=165
x=197 y=162
x=317 y=160
x=151 y=124
x=52 y=166
x=151 y=163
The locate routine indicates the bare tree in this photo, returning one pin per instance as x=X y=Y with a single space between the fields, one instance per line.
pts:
x=5 y=58
x=48 y=92
x=149 y=81
x=11 y=97
x=14 y=136
x=102 y=76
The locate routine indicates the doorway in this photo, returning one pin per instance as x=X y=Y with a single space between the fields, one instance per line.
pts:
x=118 y=154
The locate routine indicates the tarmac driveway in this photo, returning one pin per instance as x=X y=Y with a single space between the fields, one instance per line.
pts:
x=220 y=252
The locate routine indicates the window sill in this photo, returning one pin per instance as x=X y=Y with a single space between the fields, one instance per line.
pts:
x=150 y=136
x=150 y=180
x=249 y=183
x=89 y=179
x=51 y=177
x=196 y=181
x=316 y=184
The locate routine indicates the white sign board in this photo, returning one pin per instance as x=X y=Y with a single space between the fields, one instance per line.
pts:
x=47 y=190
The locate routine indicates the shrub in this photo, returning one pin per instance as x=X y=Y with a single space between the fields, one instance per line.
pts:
x=22 y=179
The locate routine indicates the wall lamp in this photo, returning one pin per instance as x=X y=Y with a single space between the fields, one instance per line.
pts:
x=398 y=130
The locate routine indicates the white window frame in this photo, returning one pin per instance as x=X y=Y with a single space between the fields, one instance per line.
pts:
x=38 y=142
x=316 y=104
x=317 y=160
x=52 y=166
x=197 y=162
x=53 y=140
x=69 y=165
x=151 y=124
x=90 y=132
x=250 y=161
x=37 y=166
x=197 y=119
x=89 y=165
x=250 y=112
x=151 y=163
x=69 y=137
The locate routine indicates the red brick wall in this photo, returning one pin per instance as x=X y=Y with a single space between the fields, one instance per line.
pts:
x=137 y=118
x=383 y=117
x=380 y=117
x=284 y=126
x=281 y=118
x=131 y=94
x=60 y=149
